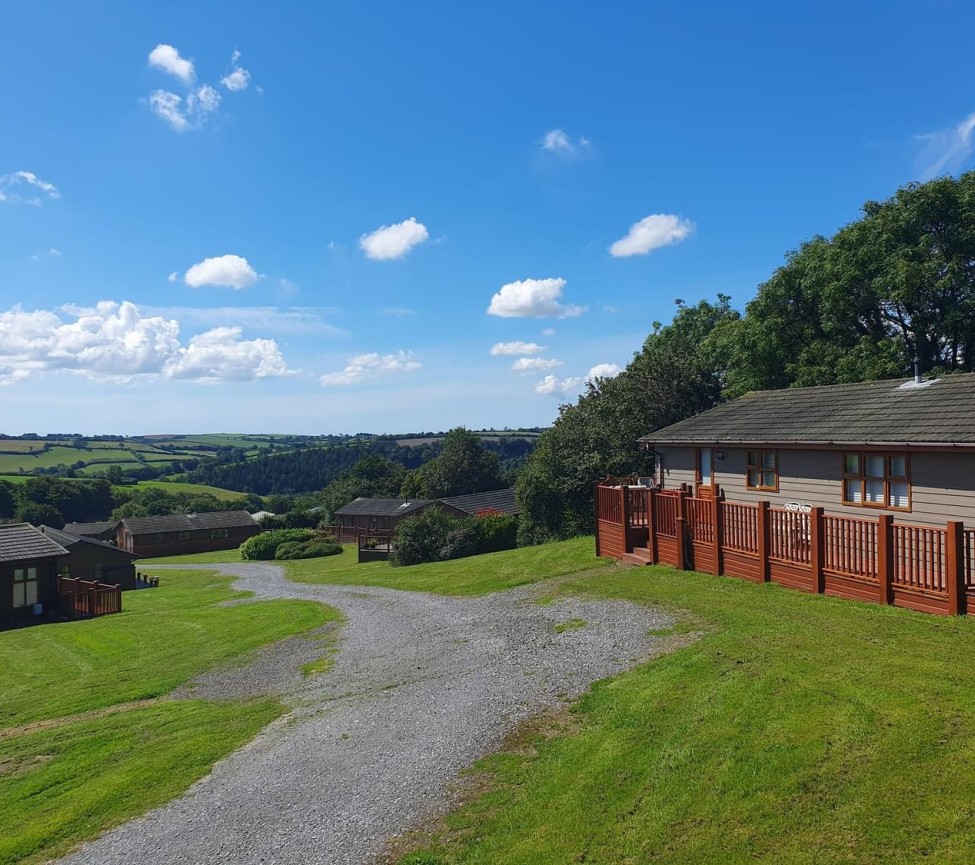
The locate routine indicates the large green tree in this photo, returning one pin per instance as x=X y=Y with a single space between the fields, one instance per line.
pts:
x=463 y=466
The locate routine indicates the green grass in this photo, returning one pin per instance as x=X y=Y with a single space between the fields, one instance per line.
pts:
x=574 y=624
x=477 y=575
x=78 y=754
x=197 y=489
x=211 y=558
x=796 y=729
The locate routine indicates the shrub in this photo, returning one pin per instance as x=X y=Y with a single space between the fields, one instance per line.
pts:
x=495 y=532
x=422 y=538
x=460 y=543
x=264 y=546
x=318 y=548
x=289 y=550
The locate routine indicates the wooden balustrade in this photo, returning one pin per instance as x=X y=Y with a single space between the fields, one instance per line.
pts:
x=919 y=567
x=84 y=599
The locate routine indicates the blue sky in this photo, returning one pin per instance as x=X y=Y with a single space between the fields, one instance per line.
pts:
x=322 y=218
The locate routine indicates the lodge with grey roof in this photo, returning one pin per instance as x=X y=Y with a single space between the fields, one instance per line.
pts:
x=902 y=447
x=174 y=534
x=29 y=564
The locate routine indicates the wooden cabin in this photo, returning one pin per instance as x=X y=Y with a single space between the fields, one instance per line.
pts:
x=173 y=534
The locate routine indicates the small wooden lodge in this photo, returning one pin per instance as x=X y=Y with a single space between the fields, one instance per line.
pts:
x=100 y=531
x=172 y=534
x=36 y=582
x=857 y=490
x=95 y=560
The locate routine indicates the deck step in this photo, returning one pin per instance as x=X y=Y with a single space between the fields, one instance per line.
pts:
x=639 y=556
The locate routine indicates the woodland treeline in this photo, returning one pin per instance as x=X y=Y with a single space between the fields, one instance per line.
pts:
x=897 y=283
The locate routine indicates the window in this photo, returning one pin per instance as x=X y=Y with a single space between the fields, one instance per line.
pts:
x=217 y=534
x=25 y=587
x=876 y=480
x=763 y=471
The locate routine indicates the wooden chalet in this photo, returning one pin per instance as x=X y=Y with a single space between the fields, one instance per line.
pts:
x=172 y=534
x=36 y=584
x=857 y=490
x=101 y=531
x=94 y=560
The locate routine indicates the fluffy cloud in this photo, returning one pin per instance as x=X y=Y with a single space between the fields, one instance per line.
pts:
x=512 y=348
x=558 y=141
x=946 y=149
x=368 y=366
x=552 y=384
x=239 y=78
x=525 y=365
x=183 y=114
x=25 y=187
x=652 y=232
x=393 y=241
x=231 y=271
x=116 y=342
x=532 y=298
x=167 y=58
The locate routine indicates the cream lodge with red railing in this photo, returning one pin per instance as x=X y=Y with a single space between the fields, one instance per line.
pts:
x=878 y=560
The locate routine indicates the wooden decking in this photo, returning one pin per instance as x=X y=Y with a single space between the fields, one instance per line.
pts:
x=84 y=599
x=922 y=568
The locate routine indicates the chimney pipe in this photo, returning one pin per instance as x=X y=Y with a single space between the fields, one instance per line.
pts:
x=918 y=379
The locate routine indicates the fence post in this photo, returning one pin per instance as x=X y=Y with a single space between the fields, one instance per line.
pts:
x=651 y=524
x=595 y=501
x=816 y=549
x=763 y=542
x=955 y=567
x=885 y=558
x=681 y=529
x=718 y=528
x=625 y=512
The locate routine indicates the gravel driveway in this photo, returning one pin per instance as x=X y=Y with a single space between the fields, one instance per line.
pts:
x=422 y=686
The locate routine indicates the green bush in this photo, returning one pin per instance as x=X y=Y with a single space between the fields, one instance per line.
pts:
x=289 y=550
x=264 y=546
x=435 y=536
x=318 y=548
x=496 y=532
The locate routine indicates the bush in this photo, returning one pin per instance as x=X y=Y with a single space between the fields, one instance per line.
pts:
x=289 y=550
x=496 y=532
x=318 y=548
x=264 y=546
x=435 y=536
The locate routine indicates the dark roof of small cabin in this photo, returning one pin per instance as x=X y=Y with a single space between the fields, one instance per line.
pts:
x=363 y=507
x=22 y=542
x=499 y=500
x=896 y=412
x=91 y=528
x=68 y=540
x=188 y=522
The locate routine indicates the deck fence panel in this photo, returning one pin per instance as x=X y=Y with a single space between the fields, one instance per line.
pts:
x=700 y=520
x=970 y=558
x=740 y=529
x=667 y=511
x=850 y=546
x=789 y=536
x=919 y=558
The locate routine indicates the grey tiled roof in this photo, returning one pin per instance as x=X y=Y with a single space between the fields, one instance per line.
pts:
x=381 y=507
x=893 y=412
x=20 y=541
x=90 y=528
x=499 y=500
x=188 y=522
x=67 y=540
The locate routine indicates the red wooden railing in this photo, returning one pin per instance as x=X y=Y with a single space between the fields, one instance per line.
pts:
x=83 y=599
x=740 y=524
x=789 y=536
x=920 y=567
x=919 y=558
x=850 y=546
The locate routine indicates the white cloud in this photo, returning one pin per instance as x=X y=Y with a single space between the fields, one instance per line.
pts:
x=13 y=186
x=552 y=384
x=558 y=141
x=393 y=241
x=369 y=366
x=239 y=78
x=221 y=355
x=512 y=348
x=203 y=101
x=548 y=331
x=532 y=298
x=172 y=277
x=604 y=370
x=117 y=342
x=166 y=105
x=652 y=232
x=267 y=319
x=167 y=58
x=947 y=149
x=230 y=271
x=525 y=365
x=56 y=253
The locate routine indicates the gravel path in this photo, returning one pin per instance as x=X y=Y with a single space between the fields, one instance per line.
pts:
x=422 y=686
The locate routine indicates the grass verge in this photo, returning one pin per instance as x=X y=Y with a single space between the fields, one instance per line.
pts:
x=81 y=751
x=797 y=729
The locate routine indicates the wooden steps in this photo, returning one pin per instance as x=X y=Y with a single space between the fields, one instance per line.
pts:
x=639 y=556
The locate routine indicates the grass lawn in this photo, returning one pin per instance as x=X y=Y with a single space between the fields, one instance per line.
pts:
x=797 y=729
x=214 y=557
x=196 y=489
x=78 y=753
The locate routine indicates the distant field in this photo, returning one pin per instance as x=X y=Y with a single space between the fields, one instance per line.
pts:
x=177 y=487
x=16 y=446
